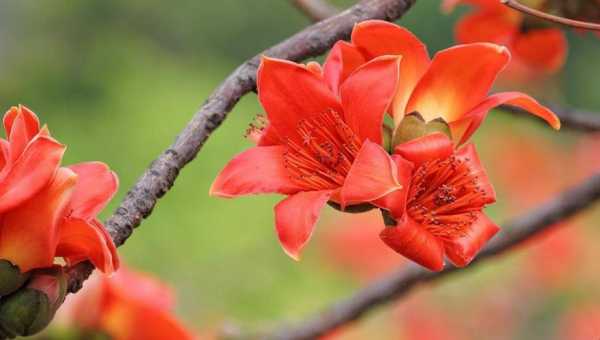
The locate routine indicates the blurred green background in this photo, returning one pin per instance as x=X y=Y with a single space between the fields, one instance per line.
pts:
x=117 y=80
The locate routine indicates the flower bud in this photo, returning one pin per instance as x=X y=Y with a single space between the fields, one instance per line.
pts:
x=11 y=278
x=31 y=308
x=414 y=126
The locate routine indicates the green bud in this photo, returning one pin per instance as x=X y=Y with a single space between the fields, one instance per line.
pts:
x=11 y=277
x=357 y=208
x=387 y=137
x=30 y=309
x=413 y=126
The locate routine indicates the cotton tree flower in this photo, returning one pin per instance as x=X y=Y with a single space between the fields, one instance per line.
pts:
x=453 y=86
x=537 y=46
x=48 y=211
x=319 y=146
x=439 y=212
x=325 y=139
x=126 y=306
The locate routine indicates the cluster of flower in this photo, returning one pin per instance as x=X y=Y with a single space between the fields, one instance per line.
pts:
x=326 y=140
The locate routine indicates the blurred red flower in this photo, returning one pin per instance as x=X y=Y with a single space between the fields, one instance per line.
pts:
x=49 y=211
x=536 y=46
x=581 y=324
x=353 y=244
x=126 y=306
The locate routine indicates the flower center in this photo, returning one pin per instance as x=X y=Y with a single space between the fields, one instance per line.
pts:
x=322 y=156
x=445 y=196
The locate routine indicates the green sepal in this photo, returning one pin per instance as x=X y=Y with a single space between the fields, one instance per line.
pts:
x=388 y=220
x=11 y=278
x=413 y=126
x=31 y=308
x=355 y=209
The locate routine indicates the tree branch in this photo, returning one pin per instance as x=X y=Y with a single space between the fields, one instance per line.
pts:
x=569 y=118
x=161 y=174
x=397 y=284
x=514 y=4
x=316 y=10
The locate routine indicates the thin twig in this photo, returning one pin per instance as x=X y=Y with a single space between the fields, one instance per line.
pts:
x=161 y=174
x=390 y=288
x=514 y=4
x=579 y=120
x=316 y=10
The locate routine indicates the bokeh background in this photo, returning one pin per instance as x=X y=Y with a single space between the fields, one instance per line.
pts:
x=117 y=80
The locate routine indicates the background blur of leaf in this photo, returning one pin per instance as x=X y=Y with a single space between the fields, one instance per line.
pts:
x=117 y=80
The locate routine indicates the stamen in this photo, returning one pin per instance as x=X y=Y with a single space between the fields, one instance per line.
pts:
x=256 y=128
x=445 y=196
x=324 y=153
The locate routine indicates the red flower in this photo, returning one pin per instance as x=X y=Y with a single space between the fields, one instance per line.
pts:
x=323 y=141
x=319 y=146
x=535 y=46
x=440 y=210
x=126 y=306
x=453 y=86
x=49 y=211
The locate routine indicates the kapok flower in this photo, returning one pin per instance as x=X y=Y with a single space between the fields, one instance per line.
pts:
x=439 y=212
x=126 y=306
x=320 y=145
x=453 y=86
x=536 y=45
x=323 y=141
x=48 y=211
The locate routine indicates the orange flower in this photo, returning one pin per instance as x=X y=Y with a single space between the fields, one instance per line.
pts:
x=536 y=46
x=49 y=211
x=126 y=306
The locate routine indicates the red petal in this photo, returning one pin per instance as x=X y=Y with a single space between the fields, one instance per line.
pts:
x=475 y=117
x=295 y=219
x=468 y=155
x=342 y=60
x=372 y=175
x=458 y=79
x=376 y=38
x=544 y=49
x=433 y=146
x=411 y=240
x=24 y=126
x=96 y=185
x=463 y=249
x=30 y=121
x=289 y=92
x=367 y=94
x=486 y=26
x=257 y=170
x=81 y=240
x=395 y=202
x=29 y=233
x=30 y=173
